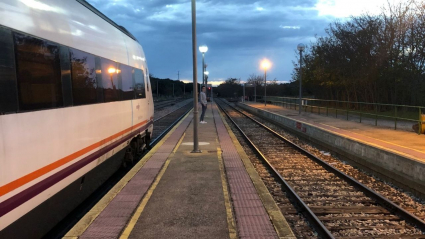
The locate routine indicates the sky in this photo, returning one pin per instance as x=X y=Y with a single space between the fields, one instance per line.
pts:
x=238 y=33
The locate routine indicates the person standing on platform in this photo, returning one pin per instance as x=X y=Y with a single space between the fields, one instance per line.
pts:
x=203 y=100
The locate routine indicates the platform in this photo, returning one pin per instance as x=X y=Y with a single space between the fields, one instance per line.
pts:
x=173 y=193
x=396 y=155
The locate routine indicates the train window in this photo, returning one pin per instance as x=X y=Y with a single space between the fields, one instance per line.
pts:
x=66 y=75
x=110 y=80
x=125 y=74
x=83 y=74
x=8 y=87
x=139 y=86
x=38 y=73
x=99 y=90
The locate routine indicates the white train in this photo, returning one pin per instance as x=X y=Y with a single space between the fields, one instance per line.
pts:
x=75 y=98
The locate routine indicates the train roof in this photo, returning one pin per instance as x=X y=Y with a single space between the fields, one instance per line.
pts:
x=104 y=17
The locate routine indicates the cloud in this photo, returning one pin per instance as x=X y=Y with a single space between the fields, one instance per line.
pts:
x=290 y=27
x=347 y=8
x=216 y=82
x=238 y=33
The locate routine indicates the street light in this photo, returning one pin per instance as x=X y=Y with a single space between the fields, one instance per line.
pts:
x=301 y=48
x=265 y=65
x=111 y=71
x=203 y=49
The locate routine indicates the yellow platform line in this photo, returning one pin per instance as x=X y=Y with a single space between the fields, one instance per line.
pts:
x=87 y=220
x=280 y=224
x=130 y=226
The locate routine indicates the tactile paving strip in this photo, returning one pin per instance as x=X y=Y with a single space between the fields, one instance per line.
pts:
x=112 y=220
x=252 y=219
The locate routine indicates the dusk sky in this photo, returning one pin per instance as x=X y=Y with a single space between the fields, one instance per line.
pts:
x=238 y=33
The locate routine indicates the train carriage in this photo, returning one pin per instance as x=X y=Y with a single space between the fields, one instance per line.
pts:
x=75 y=99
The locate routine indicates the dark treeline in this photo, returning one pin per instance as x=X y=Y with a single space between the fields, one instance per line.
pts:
x=233 y=87
x=370 y=58
x=164 y=87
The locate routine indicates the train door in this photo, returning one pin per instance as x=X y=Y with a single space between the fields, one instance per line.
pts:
x=149 y=92
x=140 y=106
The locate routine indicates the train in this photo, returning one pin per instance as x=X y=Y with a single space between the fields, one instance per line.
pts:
x=75 y=105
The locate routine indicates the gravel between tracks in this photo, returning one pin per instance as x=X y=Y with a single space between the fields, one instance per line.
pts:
x=404 y=199
x=166 y=110
x=399 y=196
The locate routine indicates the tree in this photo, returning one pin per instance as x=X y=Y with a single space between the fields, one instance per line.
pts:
x=372 y=58
x=164 y=87
x=255 y=79
x=230 y=88
x=233 y=81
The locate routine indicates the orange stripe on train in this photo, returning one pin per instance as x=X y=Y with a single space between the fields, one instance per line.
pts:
x=46 y=169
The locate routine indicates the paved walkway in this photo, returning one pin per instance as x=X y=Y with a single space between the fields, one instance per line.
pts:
x=173 y=193
x=188 y=201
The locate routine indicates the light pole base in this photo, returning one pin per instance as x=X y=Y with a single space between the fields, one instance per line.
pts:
x=196 y=151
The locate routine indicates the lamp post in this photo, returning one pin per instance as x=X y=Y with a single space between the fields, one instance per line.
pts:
x=265 y=64
x=243 y=100
x=206 y=73
x=244 y=90
x=212 y=93
x=203 y=49
x=255 y=92
x=206 y=82
x=195 y=82
x=206 y=79
x=300 y=48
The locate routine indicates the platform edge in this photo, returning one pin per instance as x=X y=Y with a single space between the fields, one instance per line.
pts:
x=88 y=219
x=280 y=224
x=230 y=215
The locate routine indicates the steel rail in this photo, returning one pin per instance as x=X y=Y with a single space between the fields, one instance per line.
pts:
x=171 y=112
x=160 y=105
x=389 y=205
x=164 y=103
x=157 y=139
x=384 y=202
x=316 y=223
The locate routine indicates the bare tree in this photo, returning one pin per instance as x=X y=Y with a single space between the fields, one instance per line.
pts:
x=373 y=58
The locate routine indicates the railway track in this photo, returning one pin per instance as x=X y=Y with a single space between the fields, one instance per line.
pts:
x=162 y=126
x=159 y=105
x=334 y=204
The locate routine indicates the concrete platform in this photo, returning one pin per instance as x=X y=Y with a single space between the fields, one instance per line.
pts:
x=173 y=193
x=397 y=155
